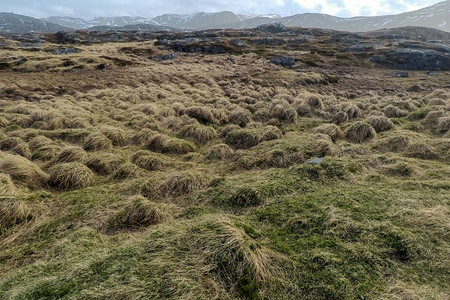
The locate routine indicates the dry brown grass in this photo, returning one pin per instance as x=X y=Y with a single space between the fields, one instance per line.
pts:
x=183 y=184
x=220 y=151
x=340 y=118
x=137 y=214
x=243 y=138
x=360 y=132
x=199 y=133
x=97 y=141
x=117 y=136
x=71 y=154
x=380 y=123
x=22 y=170
x=68 y=176
x=7 y=187
x=421 y=150
x=146 y=160
x=333 y=131
x=104 y=163
x=13 y=212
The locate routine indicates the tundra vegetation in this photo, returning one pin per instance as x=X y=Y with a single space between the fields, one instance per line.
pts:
x=126 y=177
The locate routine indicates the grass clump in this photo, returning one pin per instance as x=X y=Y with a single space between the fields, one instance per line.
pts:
x=7 y=187
x=332 y=130
x=68 y=176
x=243 y=138
x=104 y=163
x=220 y=151
x=380 y=123
x=202 y=114
x=22 y=170
x=138 y=213
x=117 y=136
x=340 y=118
x=13 y=212
x=199 y=133
x=183 y=184
x=240 y=117
x=146 y=160
x=164 y=144
x=421 y=150
x=391 y=111
x=360 y=132
x=96 y=142
x=71 y=154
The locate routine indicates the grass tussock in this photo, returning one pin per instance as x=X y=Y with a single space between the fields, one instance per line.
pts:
x=199 y=133
x=243 y=138
x=22 y=170
x=183 y=184
x=7 y=187
x=117 y=136
x=68 y=176
x=14 y=212
x=96 y=142
x=360 y=132
x=104 y=163
x=164 y=144
x=137 y=213
x=146 y=160
x=220 y=151
x=421 y=150
x=332 y=130
x=380 y=123
x=71 y=154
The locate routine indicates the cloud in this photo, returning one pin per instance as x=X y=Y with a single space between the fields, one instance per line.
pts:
x=148 y=8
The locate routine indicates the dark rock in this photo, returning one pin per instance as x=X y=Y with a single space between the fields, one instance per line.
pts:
x=62 y=51
x=163 y=57
x=401 y=74
x=363 y=47
x=413 y=59
x=415 y=88
x=272 y=28
x=284 y=61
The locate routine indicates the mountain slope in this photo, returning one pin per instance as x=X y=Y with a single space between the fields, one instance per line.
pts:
x=436 y=16
x=198 y=20
x=13 y=23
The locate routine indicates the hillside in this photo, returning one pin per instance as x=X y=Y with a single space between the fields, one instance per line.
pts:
x=272 y=163
x=13 y=23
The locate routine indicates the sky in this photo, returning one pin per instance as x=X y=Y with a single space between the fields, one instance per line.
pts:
x=150 y=8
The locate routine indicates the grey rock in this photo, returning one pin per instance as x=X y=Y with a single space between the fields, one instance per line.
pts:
x=315 y=161
x=284 y=61
x=401 y=74
x=62 y=51
x=163 y=57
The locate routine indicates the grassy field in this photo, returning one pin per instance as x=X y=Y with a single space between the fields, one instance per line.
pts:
x=123 y=177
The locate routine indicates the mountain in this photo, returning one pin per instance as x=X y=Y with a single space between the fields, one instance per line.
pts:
x=78 y=23
x=199 y=20
x=70 y=22
x=13 y=23
x=436 y=16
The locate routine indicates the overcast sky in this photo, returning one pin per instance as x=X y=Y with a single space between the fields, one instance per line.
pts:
x=151 y=8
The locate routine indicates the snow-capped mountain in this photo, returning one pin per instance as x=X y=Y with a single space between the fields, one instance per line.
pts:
x=436 y=16
x=199 y=20
x=78 y=23
x=13 y=23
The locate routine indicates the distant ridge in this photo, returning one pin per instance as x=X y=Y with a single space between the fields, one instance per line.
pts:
x=436 y=16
